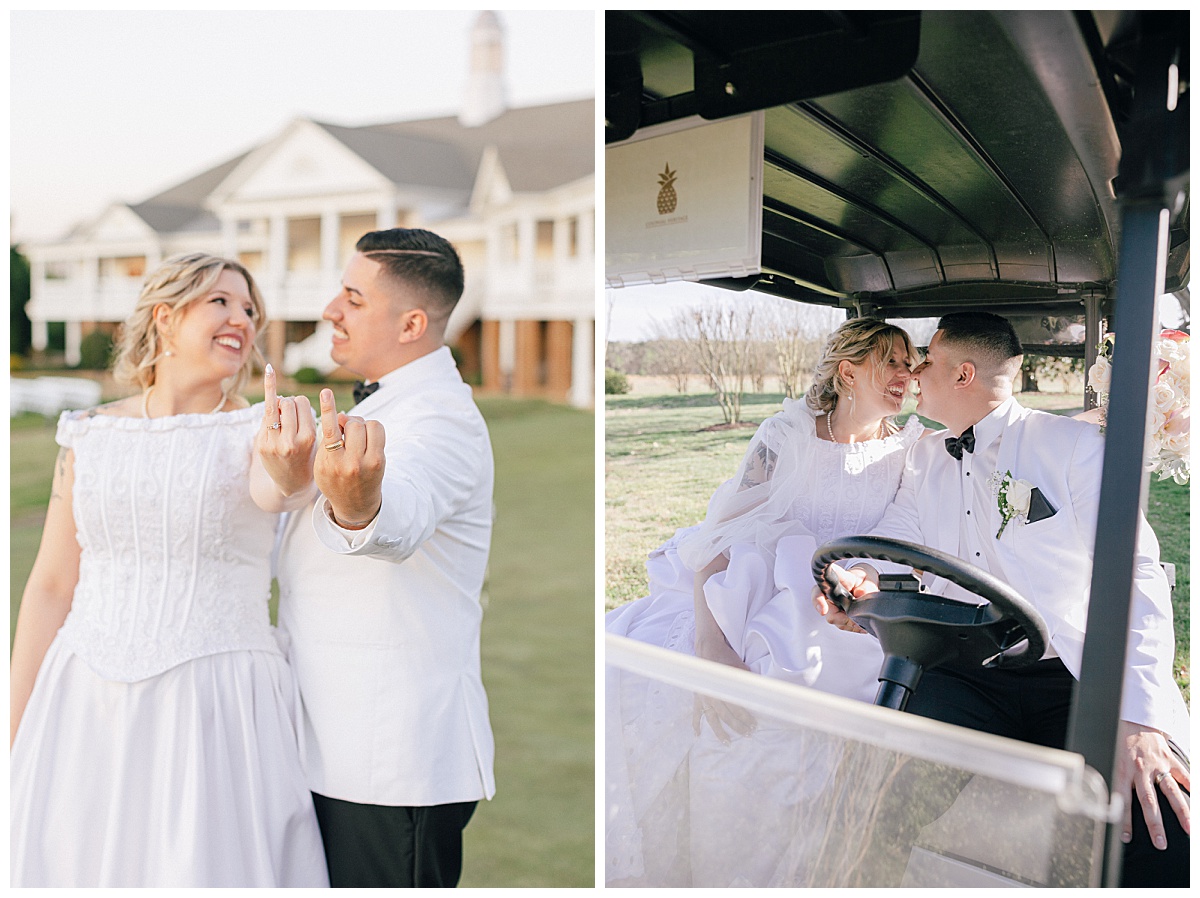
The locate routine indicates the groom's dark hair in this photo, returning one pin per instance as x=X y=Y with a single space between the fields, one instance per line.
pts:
x=420 y=260
x=982 y=333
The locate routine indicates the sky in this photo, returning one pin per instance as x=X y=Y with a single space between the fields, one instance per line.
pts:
x=118 y=106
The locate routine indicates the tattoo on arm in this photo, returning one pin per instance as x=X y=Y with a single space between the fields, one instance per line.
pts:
x=759 y=468
x=60 y=471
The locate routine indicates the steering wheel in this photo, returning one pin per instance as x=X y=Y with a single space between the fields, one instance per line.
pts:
x=918 y=631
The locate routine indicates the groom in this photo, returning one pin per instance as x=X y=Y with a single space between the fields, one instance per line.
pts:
x=380 y=579
x=948 y=501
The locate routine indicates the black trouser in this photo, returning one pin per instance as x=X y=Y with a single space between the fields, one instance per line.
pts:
x=1032 y=704
x=368 y=845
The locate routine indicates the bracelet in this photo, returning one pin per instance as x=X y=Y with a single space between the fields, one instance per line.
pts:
x=350 y=525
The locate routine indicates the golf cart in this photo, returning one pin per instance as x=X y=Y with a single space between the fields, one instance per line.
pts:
x=904 y=165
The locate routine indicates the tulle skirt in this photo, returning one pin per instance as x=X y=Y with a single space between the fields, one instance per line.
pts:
x=188 y=778
x=660 y=759
x=763 y=604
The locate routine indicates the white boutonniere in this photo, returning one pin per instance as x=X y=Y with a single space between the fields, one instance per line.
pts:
x=1012 y=498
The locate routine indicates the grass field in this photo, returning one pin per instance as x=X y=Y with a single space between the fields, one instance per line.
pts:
x=538 y=635
x=662 y=462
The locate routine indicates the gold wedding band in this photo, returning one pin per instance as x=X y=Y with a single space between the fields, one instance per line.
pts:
x=340 y=444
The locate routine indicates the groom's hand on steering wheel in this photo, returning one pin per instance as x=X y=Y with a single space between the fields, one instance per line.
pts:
x=859 y=581
x=349 y=465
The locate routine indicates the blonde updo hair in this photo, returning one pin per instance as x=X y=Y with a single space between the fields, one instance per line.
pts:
x=178 y=282
x=859 y=340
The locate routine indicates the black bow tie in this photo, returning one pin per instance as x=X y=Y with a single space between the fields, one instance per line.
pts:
x=966 y=441
x=362 y=391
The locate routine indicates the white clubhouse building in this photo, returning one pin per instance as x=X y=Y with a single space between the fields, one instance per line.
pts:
x=512 y=189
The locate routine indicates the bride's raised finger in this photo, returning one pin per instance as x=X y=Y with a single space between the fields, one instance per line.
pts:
x=270 y=399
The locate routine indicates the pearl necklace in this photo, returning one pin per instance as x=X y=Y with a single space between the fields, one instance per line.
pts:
x=146 y=403
x=829 y=426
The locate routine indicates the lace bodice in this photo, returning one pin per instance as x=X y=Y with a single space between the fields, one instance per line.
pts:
x=175 y=559
x=849 y=486
x=790 y=476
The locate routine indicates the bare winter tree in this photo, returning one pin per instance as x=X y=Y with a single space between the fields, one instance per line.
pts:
x=796 y=334
x=673 y=353
x=721 y=338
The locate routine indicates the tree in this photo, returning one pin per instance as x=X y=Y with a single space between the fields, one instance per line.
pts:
x=721 y=339
x=796 y=338
x=673 y=355
x=20 y=329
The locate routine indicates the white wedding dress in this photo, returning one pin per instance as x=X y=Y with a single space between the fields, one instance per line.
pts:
x=792 y=493
x=160 y=745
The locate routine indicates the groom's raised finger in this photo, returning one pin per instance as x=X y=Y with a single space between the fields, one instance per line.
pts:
x=330 y=429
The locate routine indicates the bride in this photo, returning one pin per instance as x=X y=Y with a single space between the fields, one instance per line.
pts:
x=153 y=717
x=735 y=589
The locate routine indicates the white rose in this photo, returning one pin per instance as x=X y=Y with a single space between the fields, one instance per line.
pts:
x=1179 y=382
x=1182 y=365
x=1157 y=421
x=1019 y=494
x=1164 y=396
x=1100 y=375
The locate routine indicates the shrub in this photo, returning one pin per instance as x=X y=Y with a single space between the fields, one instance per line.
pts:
x=615 y=382
x=95 y=351
x=308 y=375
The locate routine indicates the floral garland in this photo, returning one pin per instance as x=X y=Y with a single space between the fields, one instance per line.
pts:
x=1170 y=402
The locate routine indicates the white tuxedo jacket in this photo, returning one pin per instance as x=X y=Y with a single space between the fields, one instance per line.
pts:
x=383 y=624
x=1049 y=562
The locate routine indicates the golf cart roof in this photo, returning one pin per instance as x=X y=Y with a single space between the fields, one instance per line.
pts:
x=914 y=163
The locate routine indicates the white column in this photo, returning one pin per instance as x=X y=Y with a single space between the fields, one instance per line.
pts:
x=562 y=233
x=74 y=343
x=330 y=238
x=508 y=353
x=276 y=264
x=40 y=338
x=526 y=253
x=583 y=368
x=90 y=283
x=586 y=234
x=41 y=334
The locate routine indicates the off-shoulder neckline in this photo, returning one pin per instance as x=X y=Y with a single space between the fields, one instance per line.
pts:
x=86 y=418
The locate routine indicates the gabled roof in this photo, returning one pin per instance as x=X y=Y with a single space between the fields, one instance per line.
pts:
x=181 y=208
x=540 y=147
x=408 y=159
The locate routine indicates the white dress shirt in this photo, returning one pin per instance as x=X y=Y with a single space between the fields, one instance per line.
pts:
x=1049 y=562
x=977 y=508
x=384 y=623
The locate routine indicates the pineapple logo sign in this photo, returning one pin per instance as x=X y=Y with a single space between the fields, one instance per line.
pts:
x=668 y=199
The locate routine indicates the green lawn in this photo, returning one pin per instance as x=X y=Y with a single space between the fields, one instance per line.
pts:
x=538 y=634
x=662 y=461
